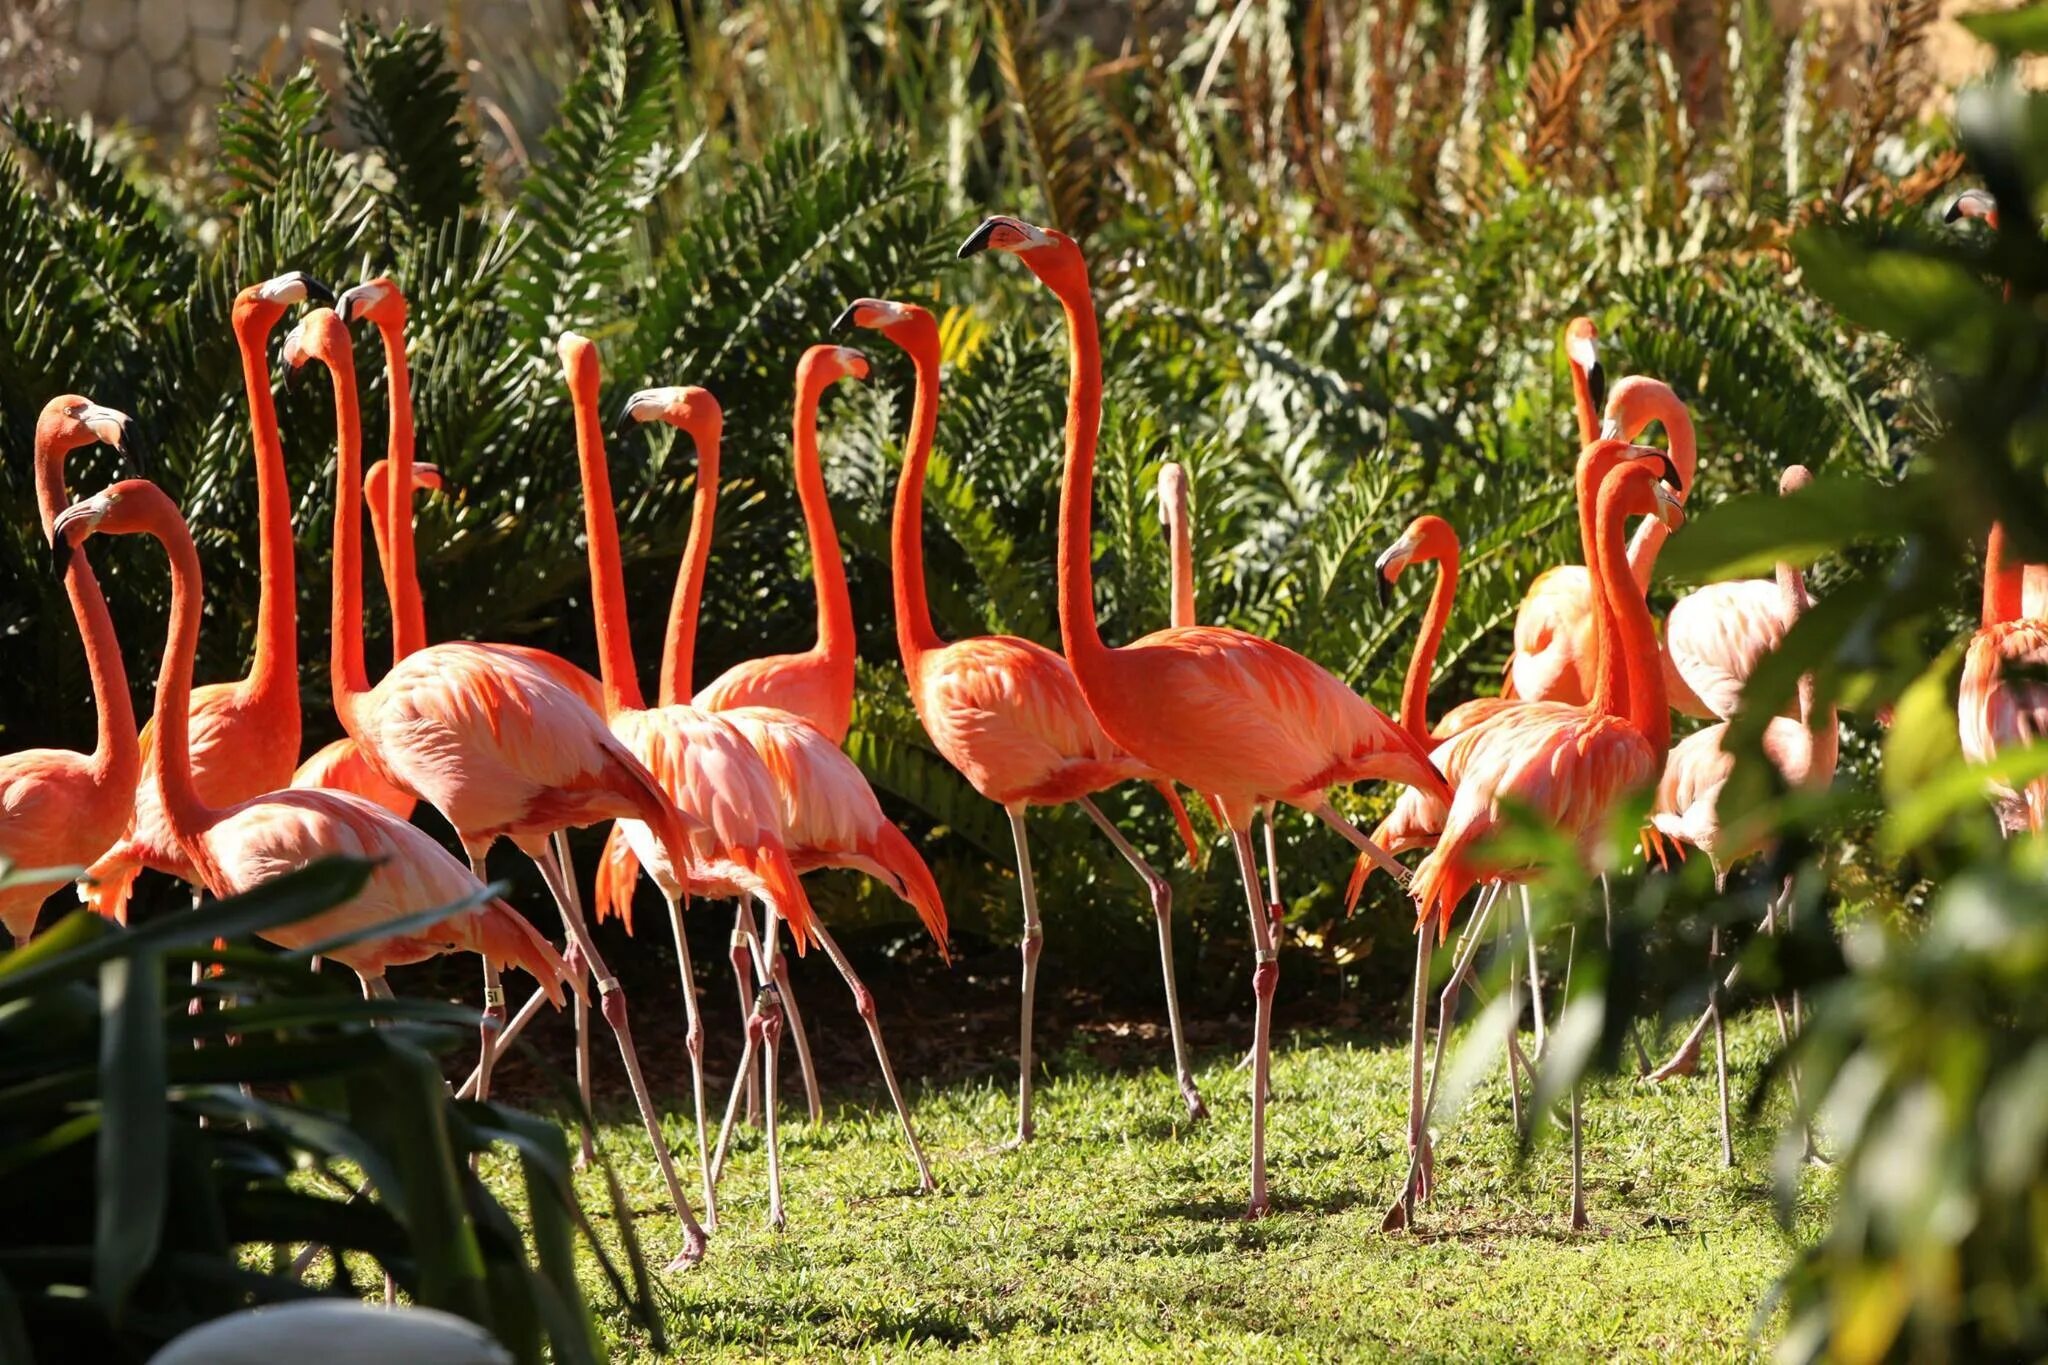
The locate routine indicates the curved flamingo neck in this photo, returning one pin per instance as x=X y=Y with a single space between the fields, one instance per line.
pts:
x=1584 y=411
x=401 y=568
x=1649 y=538
x=116 y=754
x=1794 y=601
x=1629 y=635
x=1181 y=550
x=276 y=661
x=601 y=530
x=679 y=648
x=836 y=641
x=1596 y=460
x=170 y=760
x=348 y=675
x=2004 y=580
x=1422 y=664
x=1079 y=632
x=915 y=634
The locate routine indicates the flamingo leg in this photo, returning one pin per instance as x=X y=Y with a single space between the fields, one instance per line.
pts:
x=1403 y=1211
x=1272 y=865
x=742 y=951
x=864 y=1003
x=771 y=1049
x=1162 y=914
x=1535 y=975
x=1034 y=937
x=795 y=1019
x=612 y=1004
x=491 y=1033
x=559 y=844
x=477 y=1085
x=1720 y=1053
x=1265 y=980
x=1514 y=1048
x=1381 y=859
x=693 y=1042
x=752 y=1035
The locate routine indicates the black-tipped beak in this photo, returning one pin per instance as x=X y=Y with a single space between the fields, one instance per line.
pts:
x=1382 y=588
x=977 y=241
x=293 y=376
x=1670 y=474
x=845 y=319
x=61 y=550
x=625 y=421
x=1954 y=210
x=316 y=292
x=136 y=456
x=1596 y=384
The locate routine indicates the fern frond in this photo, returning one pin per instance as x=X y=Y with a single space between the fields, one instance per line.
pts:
x=407 y=104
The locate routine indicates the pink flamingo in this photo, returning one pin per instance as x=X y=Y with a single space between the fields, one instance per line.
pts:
x=1008 y=713
x=245 y=735
x=1218 y=710
x=830 y=815
x=1995 y=712
x=339 y=765
x=1688 y=807
x=59 y=808
x=495 y=743
x=1565 y=764
x=238 y=848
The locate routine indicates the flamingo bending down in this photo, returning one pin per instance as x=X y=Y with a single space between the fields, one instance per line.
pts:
x=495 y=743
x=1218 y=710
x=245 y=735
x=59 y=808
x=242 y=846
x=1567 y=765
x=830 y=817
x=1008 y=713
x=339 y=765
x=1688 y=806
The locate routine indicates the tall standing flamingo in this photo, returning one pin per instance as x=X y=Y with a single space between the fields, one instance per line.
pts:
x=495 y=743
x=1007 y=713
x=339 y=765
x=245 y=735
x=1224 y=712
x=1567 y=765
x=59 y=808
x=240 y=847
x=830 y=817
x=1688 y=805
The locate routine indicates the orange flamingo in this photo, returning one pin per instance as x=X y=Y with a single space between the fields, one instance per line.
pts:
x=1008 y=713
x=1996 y=712
x=492 y=741
x=1687 y=809
x=239 y=848
x=245 y=735
x=830 y=816
x=339 y=765
x=1218 y=710
x=59 y=808
x=1565 y=764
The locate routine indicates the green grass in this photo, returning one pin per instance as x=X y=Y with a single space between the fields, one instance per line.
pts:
x=1118 y=1232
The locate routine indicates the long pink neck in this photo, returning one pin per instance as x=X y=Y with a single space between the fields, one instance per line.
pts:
x=1628 y=634
x=1180 y=548
x=276 y=662
x=1594 y=463
x=915 y=634
x=836 y=642
x=601 y=530
x=2004 y=580
x=116 y=755
x=1649 y=538
x=679 y=648
x=170 y=760
x=1793 y=601
x=401 y=568
x=1422 y=664
x=1078 y=630
x=348 y=675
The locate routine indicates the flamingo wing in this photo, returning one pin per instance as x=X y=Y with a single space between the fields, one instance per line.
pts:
x=1010 y=716
x=342 y=766
x=1713 y=640
x=799 y=684
x=1556 y=639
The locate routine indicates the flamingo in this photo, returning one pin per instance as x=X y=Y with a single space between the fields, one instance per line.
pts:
x=240 y=847
x=830 y=816
x=1218 y=710
x=491 y=740
x=339 y=764
x=245 y=735
x=1995 y=712
x=1007 y=713
x=1565 y=764
x=59 y=808
x=1687 y=809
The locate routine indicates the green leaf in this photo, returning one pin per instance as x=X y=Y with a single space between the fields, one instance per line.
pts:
x=1747 y=535
x=2014 y=32
x=1922 y=743
x=134 y=1126
x=405 y=100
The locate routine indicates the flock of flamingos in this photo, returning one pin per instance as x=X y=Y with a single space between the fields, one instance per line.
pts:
x=735 y=789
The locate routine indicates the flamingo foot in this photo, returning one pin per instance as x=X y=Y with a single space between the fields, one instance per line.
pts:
x=1260 y=1206
x=694 y=1243
x=1197 y=1111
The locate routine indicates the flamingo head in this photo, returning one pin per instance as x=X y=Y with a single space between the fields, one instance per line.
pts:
x=579 y=360
x=73 y=421
x=1173 y=493
x=824 y=365
x=377 y=479
x=1427 y=537
x=1645 y=488
x=1972 y=204
x=121 y=509
x=1049 y=253
x=903 y=323
x=683 y=406
x=1582 y=345
x=1638 y=400
x=320 y=335
x=263 y=304
x=1795 y=477
x=378 y=301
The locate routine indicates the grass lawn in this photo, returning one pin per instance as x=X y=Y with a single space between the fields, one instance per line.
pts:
x=1118 y=1232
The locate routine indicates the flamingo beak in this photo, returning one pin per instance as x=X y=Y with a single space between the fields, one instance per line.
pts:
x=63 y=544
x=425 y=475
x=643 y=405
x=1670 y=510
x=1610 y=429
x=978 y=240
x=1596 y=383
x=846 y=318
x=1384 y=569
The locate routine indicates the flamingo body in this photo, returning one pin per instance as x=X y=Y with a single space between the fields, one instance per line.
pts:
x=56 y=810
x=1689 y=794
x=1714 y=637
x=1995 y=712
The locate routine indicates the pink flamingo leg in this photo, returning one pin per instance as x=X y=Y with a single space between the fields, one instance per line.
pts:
x=559 y=844
x=795 y=1018
x=693 y=1042
x=752 y=1035
x=1273 y=867
x=740 y=955
x=1265 y=980
x=1720 y=1052
x=612 y=1004
x=1034 y=937
x=771 y=1048
x=864 y=1002
x=1535 y=975
x=1403 y=1211
x=1162 y=913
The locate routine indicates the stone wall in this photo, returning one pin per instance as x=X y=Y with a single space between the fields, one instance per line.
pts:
x=159 y=64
